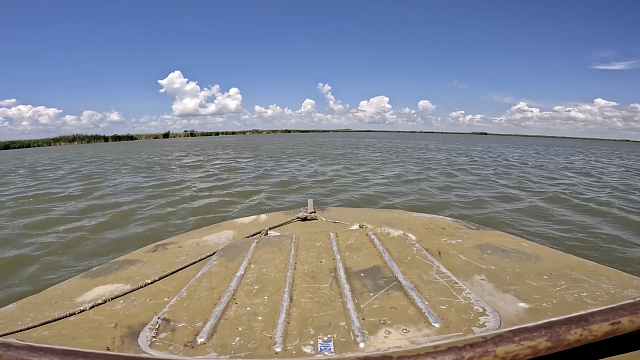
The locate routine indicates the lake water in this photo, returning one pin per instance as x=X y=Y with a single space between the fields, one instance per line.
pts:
x=65 y=210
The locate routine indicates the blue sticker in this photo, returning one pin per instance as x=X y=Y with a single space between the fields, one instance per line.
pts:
x=325 y=345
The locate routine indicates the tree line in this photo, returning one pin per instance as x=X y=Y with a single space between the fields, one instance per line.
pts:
x=94 y=138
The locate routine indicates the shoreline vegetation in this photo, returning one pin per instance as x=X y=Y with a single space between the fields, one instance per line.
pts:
x=76 y=139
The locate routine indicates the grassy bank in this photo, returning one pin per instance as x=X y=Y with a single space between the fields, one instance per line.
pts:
x=93 y=139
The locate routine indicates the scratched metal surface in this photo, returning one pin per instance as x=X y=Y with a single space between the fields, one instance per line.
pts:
x=473 y=279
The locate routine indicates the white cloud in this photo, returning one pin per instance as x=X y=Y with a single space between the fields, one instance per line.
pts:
x=376 y=110
x=331 y=100
x=190 y=100
x=460 y=117
x=210 y=109
x=90 y=119
x=21 y=119
x=274 y=115
x=410 y=117
x=272 y=111
x=308 y=107
x=93 y=118
x=372 y=112
x=27 y=117
x=599 y=116
x=426 y=106
x=9 y=103
x=618 y=65
x=286 y=115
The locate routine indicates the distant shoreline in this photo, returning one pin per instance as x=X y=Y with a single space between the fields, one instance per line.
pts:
x=95 y=139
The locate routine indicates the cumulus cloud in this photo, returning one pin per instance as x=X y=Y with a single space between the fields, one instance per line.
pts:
x=379 y=111
x=209 y=108
x=618 y=65
x=28 y=118
x=90 y=119
x=190 y=100
x=375 y=111
x=426 y=106
x=274 y=115
x=272 y=111
x=9 y=103
x=601 y=115
x=308 y=107
x=460 y=117
x=331 y=100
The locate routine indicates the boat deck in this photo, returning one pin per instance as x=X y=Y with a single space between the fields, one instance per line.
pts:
x=355 y=282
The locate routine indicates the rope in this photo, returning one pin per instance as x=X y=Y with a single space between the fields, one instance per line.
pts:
x=332 y=221
x=303 y=216
x=106 y=299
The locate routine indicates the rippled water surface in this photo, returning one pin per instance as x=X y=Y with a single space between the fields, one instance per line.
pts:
x=67 y=209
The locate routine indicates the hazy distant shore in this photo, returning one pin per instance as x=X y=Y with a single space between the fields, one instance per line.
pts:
x=93 y=139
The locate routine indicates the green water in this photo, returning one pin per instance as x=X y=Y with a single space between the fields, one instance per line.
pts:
x=67 y=209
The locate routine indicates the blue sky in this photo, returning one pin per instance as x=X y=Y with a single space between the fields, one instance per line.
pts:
x=482 y=57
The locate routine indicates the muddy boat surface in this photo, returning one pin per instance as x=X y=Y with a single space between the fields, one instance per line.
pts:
x=341 y=282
